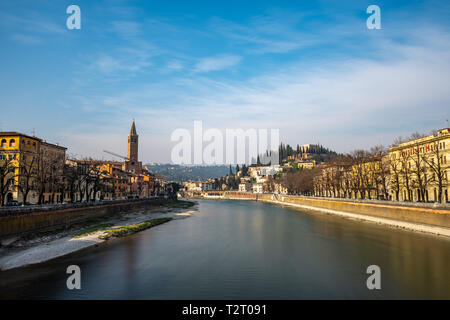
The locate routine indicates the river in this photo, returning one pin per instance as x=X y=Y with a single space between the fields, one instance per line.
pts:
x=247 y=250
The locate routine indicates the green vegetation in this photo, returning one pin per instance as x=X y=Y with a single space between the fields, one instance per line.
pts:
x=92 y=229
x=126 y=230
x=181 y=204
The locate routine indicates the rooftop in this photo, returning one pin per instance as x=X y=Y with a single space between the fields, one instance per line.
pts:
x=14 y=133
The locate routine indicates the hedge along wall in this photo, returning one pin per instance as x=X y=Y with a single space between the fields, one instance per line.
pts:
x=50 y=220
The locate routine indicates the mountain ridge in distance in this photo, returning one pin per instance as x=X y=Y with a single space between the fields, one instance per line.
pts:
x=182 y=173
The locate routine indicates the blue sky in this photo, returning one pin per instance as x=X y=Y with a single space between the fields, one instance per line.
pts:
x=309 y=68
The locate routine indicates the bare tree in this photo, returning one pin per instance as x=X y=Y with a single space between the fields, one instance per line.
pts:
x=405 y=173
x=435 y=161
x=94 y=180
x=359 y=171
x=269 y=186
x=71 y=178
x=7 y=176
x=300 y=182
x=395 y=177
x=419 y=179
x=27 y=175
x=417 y=135
x=398 y=140
x=382 y=169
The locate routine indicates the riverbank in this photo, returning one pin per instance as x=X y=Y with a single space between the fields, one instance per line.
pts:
x=45 y=246
x=31 y=219
x=364 y=218
x=413 y=218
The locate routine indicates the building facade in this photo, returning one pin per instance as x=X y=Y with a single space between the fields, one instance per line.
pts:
x=19 y=162
x=416 y=170
x=420 y=168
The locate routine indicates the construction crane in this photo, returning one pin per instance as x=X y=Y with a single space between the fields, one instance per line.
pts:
x=117 y=155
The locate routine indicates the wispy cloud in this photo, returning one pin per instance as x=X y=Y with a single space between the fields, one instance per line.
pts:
x=119 y=64
x=341 y=103
x=26 y=39
x=30 y=22
x=127 y=29
x=311 y=69
x=270 y=33
x=174 y=65
x=217 y=63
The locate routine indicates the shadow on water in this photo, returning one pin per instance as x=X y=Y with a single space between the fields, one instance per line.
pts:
x=247 y=250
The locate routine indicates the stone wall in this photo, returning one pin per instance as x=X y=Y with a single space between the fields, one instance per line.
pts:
x=22 y=223
x=413 y=214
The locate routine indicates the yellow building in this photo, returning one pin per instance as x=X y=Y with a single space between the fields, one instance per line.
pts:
x=19 y=157
x=362 y=177
x=370 y=178
x=51 y=172
x=306 y=164
x=420 y=168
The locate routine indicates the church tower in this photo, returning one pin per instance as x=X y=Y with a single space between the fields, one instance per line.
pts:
x=133 y=137
x=132 y=164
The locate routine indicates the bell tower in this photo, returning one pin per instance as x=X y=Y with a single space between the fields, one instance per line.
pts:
x=132 y=152
x=132 y=164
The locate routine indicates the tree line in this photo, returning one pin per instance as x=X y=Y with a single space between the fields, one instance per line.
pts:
x=375 y=174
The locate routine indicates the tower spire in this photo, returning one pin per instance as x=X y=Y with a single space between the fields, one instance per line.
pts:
x=133 y=129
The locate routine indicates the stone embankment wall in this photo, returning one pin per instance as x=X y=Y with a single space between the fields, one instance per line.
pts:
x=421 y=215
x=21 y=223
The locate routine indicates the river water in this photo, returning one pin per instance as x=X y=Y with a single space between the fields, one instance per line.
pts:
x=247 y=250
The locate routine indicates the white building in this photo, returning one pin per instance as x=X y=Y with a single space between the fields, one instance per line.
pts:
x=245 y=186
x=258 y=188
x=206 y=186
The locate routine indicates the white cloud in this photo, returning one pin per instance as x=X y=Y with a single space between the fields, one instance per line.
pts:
x=123 y=63
x=217 y=63
x=271 y=33
x=342 y=103
x=26 y=39
x=126 y=29
x=175 y=65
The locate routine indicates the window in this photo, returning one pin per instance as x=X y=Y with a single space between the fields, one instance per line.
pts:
x=2 y=157
x=3 y=145
x=12 y=143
